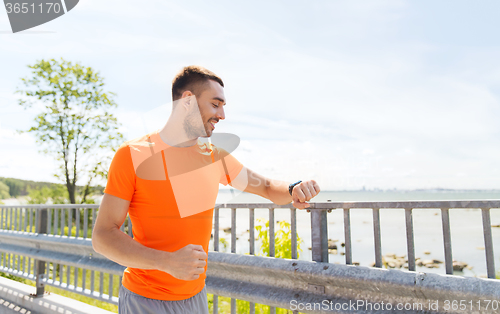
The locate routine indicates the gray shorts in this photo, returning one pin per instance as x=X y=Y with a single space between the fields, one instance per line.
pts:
x=132 y=303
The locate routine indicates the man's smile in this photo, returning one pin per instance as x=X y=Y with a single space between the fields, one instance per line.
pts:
x=213 y=122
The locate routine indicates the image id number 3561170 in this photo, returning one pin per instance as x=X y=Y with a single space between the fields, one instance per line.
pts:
x=47 y=7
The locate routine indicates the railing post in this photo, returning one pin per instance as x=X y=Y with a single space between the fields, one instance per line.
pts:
x=377 y=238
x=272 y=239
x=216 y=229
x=233 y=230
x=41 y=228
x=410 y=240
x=252 y=233
x=488 y=243
x=347 y=236
x=319 y=236
x=448 y=260
x=293 y=222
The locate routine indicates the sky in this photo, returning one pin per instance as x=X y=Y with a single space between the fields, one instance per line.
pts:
x=375 y=94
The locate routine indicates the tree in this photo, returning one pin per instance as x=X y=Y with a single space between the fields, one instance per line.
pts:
x=282 y=239
x=57 y=195
x=75 y=125
x=4 y=191
x=15 y=186
x=283 y=249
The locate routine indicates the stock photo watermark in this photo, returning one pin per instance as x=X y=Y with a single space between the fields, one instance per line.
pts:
x=428 y=305
x=27 y=14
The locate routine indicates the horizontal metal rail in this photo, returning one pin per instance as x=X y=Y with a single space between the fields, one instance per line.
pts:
x=49 y=242
x=377 y=204
x=57 y=249
x=276 y=282
x=287 y=283
x=318 y=205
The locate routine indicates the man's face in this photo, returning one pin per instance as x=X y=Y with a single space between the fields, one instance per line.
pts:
x=211 y=103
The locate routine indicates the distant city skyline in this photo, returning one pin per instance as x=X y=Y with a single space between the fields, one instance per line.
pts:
x=387 y=94
x=362 y=189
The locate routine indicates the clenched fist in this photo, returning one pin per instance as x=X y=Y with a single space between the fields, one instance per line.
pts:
x=303 y=192
x=186 y=263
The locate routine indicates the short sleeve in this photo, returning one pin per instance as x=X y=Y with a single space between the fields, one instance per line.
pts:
x=230 y=166
x=121 y=175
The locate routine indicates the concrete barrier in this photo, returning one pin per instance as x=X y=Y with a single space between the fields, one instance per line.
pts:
x=20 y=295
x=311 y=287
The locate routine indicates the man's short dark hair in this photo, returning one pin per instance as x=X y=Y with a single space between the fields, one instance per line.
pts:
x=193 y=78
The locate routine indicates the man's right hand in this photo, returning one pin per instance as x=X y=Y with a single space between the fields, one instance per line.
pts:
x=186 y=263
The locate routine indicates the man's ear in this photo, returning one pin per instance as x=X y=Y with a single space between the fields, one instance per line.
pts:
x=187 y=93
x=186 y=99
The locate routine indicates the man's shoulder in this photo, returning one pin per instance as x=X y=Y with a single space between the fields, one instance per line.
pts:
x=132 y=147
x=142 y=148
x=137 y=144
x=144 y=140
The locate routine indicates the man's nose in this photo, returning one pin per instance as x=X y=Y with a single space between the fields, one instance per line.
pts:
x=220 y=113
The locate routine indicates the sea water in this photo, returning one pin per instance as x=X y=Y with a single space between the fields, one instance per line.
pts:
x=466 y=227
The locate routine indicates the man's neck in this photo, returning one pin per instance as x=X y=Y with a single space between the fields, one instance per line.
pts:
x=175 y=136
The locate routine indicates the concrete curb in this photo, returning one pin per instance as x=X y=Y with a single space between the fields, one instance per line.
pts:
x=20 y=294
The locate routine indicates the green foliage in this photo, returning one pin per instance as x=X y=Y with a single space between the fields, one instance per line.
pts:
x=57 y=195
x=283 y=239
x=4 y=191
x=283 y=249
x=224 y=243
x=101 y=304
x=57 y=229
x=11 y=277
x=16 y=187
x=39 y=196
x=73 y=231
x=19 y=187
x=75 y=124
x=86 y=201
x=241 y=306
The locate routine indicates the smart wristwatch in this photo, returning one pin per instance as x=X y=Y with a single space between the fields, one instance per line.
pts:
x=290 y=187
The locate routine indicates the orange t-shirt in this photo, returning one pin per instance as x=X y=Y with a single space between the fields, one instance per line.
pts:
x=172 y=193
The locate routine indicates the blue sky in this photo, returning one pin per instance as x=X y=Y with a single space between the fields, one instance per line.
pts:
x=381 y=94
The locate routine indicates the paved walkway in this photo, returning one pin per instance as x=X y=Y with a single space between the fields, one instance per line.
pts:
x=7 y=307
x=15 y=297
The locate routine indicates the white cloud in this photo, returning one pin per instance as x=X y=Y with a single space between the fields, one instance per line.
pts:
x=341 y=90
x=20 y=157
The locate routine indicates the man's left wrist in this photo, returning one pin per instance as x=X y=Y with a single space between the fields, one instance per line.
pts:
x=291 y=186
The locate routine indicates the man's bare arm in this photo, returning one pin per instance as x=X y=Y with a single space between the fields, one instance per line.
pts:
x=186 y=263
x=276 y=190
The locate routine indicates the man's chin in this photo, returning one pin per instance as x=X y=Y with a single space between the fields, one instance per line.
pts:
x=208 y=133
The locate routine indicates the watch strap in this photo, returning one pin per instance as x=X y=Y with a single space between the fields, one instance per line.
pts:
x=290 y=187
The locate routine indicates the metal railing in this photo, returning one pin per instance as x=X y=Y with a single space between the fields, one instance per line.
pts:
x=45 y=244
x=51 y=244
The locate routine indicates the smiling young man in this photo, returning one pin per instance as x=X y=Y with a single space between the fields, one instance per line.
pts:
x=167 y=181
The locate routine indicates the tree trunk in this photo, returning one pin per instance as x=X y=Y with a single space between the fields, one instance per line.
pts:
x=72 y=198
x=71 y=192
